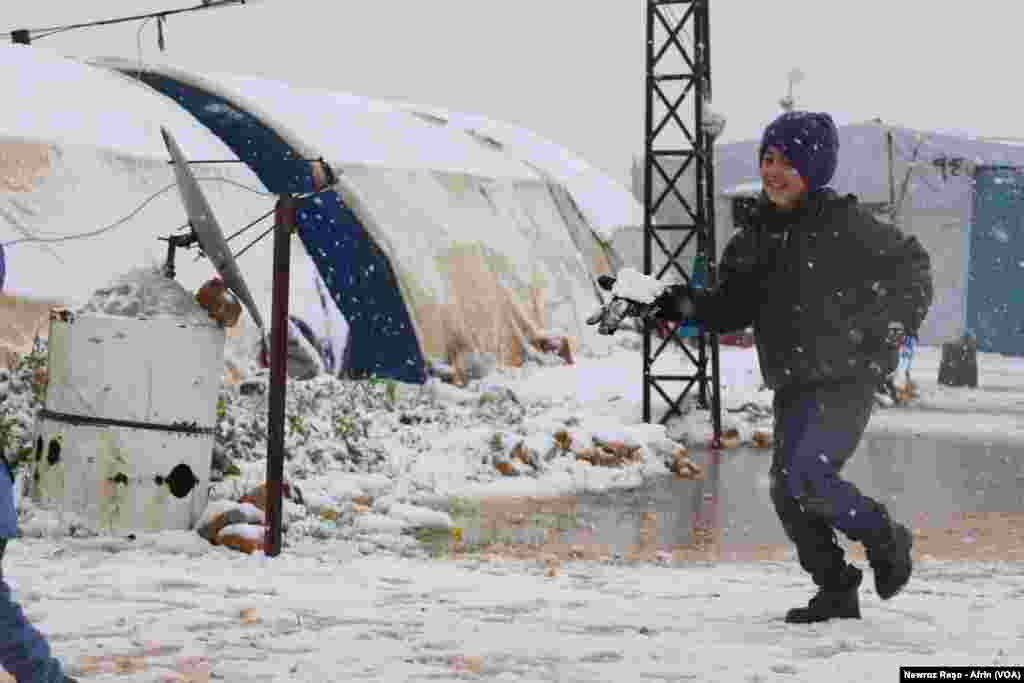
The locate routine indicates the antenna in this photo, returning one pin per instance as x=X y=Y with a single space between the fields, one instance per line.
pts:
x=206 y=231
x=795 y=77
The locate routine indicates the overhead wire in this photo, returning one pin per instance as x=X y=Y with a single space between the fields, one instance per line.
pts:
x=263 y=235
x=40 y=33
x=252 y=244
x=132 y=214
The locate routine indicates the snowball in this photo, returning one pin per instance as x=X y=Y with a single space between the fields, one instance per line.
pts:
x=633 y=285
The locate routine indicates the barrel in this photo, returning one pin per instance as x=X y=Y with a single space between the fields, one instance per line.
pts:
x=125 y=439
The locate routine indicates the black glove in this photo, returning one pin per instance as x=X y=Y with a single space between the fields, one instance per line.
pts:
x=676 y=303
x=610 y=316
x=894 y=335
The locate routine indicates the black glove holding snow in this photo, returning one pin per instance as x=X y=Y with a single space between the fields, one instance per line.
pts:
x=635 y=295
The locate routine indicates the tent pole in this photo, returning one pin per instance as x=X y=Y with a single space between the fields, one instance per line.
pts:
x=284 y=225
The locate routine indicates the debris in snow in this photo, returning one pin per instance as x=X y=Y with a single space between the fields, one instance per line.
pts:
x=219 y=303
x=364 y=459
x=248 y=538
x=681 y=465
x=730 y=438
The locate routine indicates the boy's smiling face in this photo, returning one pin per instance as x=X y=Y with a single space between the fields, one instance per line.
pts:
x=781 y=182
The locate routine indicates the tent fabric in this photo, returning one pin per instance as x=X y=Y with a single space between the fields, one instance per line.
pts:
x=110 y=111
x=431 y=243
x=364 y=289
x=604 y=203
x=280 y=167
x=345 y=129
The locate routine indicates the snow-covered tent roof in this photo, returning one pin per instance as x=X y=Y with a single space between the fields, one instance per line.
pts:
x=431 y=243
x=350 y=130
x=85 y=185
x=53 y=100
x=607 y=204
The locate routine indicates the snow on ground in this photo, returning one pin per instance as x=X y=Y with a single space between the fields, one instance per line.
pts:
x=357 y=596
x=166 y=608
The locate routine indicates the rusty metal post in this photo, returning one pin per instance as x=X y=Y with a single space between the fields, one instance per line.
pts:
x=284 y=226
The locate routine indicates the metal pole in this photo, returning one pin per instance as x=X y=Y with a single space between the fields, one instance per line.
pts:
x=711 y=257
x=648 y=194
x=284 y=225
x=892 y=176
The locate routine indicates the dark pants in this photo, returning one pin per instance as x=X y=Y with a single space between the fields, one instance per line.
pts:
x=817 y=429
x=24 y=651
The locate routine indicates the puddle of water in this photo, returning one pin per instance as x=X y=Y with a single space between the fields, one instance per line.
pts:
x=963 y=499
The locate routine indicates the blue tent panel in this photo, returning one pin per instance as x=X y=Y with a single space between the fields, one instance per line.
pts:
x=276 y=164
x=382 y=340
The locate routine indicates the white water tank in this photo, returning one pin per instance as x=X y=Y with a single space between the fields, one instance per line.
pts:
x=126 y=436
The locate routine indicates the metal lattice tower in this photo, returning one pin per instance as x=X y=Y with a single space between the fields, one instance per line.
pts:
x=678 y=158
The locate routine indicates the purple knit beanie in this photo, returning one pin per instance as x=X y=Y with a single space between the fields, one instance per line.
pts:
x=809 y=141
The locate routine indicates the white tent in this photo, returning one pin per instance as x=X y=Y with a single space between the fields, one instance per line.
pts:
x=490 y=245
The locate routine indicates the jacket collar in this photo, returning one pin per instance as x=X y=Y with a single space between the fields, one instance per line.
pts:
x=775 y=219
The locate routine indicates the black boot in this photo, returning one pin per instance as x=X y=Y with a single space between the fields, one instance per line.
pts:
x=890 y=559
x=837 y=599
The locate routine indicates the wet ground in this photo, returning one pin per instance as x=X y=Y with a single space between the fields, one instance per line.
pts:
x=964 y=500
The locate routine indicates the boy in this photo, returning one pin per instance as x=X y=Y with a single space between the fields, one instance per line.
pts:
x=830 y=292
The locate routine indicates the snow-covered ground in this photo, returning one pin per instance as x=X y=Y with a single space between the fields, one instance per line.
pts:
x=170 y=608
x=357 y=596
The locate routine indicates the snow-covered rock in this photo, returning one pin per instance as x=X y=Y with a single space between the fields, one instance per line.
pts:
x=420 y=517
x=373 y=523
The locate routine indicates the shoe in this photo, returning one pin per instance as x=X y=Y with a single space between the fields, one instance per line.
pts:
x=891 y=562
x=838 y=600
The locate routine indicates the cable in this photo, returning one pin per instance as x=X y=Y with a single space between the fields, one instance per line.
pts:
x=100 y=231
x=271 y=228
x=249 y=246
x=53 y=30
x=258 y=220
x=238 y=184
x=135 y=212
x=138 y=44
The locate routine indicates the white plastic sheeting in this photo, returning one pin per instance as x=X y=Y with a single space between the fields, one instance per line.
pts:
x=350 y=130
x=607 y=204
x=483 y=265
x=461 y=219
x=55 y=100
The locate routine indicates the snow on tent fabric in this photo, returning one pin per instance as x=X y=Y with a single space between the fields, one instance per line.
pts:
x=430 y=245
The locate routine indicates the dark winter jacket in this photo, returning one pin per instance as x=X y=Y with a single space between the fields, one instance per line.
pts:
x=820 y=285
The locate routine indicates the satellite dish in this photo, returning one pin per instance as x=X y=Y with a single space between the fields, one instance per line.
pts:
x=207 y=230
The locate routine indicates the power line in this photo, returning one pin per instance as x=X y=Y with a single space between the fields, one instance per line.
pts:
x=135 y=212
x=26 y=35
x=253 y=243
